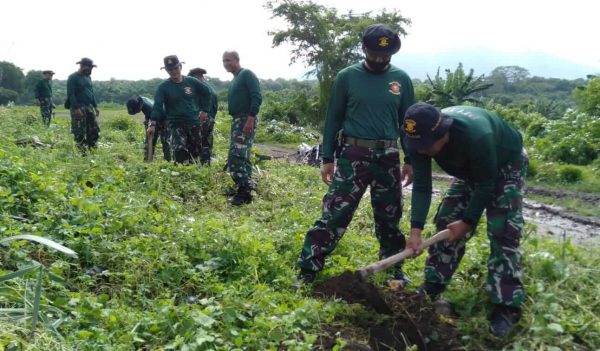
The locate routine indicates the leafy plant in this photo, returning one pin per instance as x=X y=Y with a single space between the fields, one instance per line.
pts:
x=41 y=271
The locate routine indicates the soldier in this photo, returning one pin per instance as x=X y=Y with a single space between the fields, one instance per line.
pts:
x=485 y=155
x=207 y=126
x=43 y=94
x=81 y=99
x=184 y=103
x=368 y=102
x=136 y=104
x=243 y=99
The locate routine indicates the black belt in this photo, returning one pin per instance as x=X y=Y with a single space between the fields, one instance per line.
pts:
x=373 y=144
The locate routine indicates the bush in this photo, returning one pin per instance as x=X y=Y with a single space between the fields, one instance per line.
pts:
x=122 y=123
x=570 y=174
x=533 y=168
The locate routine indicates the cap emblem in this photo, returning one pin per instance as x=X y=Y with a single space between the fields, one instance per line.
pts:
x=383 y=42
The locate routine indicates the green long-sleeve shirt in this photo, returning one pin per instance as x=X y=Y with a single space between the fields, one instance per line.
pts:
x=480 y=144
x=243 y=95
x=80 y=91
x=147 y=105
x=43 y=89
x=180 y=103
x=214 y=101
x=367 y=105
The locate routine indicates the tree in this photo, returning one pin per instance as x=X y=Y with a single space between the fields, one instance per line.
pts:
x=11 y=82
x=589 y=96
x=325 y=40
x=456 y=89
x=31 y=79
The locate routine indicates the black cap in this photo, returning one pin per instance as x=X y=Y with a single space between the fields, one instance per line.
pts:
x=423 y=125
x=134 y=105
x=171 y=61
x=86 y=62
x=48 y=72
x=197 y=72
x=380 y=39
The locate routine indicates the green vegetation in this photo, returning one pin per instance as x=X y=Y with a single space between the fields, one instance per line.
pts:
x=165 y=263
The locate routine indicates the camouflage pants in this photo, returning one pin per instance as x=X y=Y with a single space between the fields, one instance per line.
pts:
x=356 y=169
x=161 y=131
x=207 y=140
x=504 y=230
x=186 y=143
x=85 y=128
x=238 y=159
x=46 y=107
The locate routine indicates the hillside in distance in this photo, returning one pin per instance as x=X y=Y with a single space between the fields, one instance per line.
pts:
x=484 y=61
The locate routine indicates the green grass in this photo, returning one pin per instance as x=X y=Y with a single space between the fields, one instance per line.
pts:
x=165 y=263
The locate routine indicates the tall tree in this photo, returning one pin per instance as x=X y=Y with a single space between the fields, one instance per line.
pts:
x=325 y=40
x=588 y=96
x=11 y=81
x=456 y=89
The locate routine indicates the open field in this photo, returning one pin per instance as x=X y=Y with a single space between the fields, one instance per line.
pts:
x=165 y=263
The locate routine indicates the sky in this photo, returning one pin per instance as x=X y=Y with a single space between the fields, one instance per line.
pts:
x=128 y=39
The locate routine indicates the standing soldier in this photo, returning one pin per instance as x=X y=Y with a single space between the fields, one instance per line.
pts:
x=184 y=103
x=136 y=104
x=207 y=126
x=43 y=94
x=243 y=99
x=368 y=102
x=485 y=155
x=81 y=99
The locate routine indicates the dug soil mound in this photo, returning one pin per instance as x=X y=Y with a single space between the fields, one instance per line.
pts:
x=406 y=318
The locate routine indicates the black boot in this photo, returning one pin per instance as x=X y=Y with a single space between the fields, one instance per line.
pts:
x=503 y=319
x=433 y=290
x=242 y=197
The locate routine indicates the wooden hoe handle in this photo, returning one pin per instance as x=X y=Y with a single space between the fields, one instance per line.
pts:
x=379 y=266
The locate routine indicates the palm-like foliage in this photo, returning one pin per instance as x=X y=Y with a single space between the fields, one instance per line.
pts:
x=456 y=89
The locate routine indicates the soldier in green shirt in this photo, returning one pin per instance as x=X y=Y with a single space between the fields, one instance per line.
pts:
x=208 y=125
x=43 y=94
x=485 y=155
x=184 y=102
x=243 y=99
x=136 y=104
x=368 y=102
x=81 y=99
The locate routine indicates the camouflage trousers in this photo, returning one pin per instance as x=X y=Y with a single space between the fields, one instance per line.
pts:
x=186 y=143
x=161 y=131
x=85 y=128
x=238 y=159
x=46 y=107
x=206 y=131
x=356 y=169
x=504 y=229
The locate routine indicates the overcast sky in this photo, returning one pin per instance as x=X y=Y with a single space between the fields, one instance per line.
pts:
x=127 y=39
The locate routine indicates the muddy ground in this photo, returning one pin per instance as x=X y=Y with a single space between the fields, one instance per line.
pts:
x=406 y=318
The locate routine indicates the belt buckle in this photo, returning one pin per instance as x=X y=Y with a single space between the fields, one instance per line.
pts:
x=380 y=144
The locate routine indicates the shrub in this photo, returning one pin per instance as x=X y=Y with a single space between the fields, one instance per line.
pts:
x=570 y=174
x=533 y=168
x=121 y=123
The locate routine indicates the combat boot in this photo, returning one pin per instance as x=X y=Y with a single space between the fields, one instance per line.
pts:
x=433 y=290
x=503 y=319
x=243 y=197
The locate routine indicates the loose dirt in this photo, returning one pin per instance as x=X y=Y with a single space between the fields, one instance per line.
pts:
x=410 y=319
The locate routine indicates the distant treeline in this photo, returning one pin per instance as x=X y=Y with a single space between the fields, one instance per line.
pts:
x=296 y=101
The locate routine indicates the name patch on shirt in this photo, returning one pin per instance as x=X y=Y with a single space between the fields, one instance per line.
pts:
x=394 y=88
